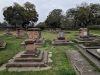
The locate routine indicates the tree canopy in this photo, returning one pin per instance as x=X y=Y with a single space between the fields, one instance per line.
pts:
x=17 y=15
x=54 y=18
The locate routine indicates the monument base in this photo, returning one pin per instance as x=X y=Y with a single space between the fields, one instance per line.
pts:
x=61 y=42
x=30 y=60
x=92 y=55
x=84 y=40
x=37 y=42
x=88 y=47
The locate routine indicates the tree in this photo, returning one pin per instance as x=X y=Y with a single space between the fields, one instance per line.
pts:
x=54 y=18
x=82 y=15
x=41 y=25
x=17 y=15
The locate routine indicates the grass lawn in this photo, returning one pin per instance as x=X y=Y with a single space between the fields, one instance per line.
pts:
x=60 y=66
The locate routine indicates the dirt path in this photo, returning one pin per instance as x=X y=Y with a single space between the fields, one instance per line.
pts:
x=81 y=65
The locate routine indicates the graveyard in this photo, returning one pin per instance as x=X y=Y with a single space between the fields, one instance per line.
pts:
x=42 y=37
x=61 y=64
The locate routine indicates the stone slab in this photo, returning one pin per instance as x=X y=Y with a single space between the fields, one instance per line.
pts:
x=80 y=64
x=61 y=42
x=90 y=57
x=84 y=47
x=94 y=53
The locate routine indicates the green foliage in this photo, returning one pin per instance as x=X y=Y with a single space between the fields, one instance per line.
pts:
x=54 y=18
x=17 y=14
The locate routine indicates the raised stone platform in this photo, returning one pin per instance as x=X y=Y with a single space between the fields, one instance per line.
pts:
x=88 y=47
x=94 y=53
x=61 y=42
x=91 y=55
x=84 y=40
x=18 y=61
x=80 y=64
x=37 y=42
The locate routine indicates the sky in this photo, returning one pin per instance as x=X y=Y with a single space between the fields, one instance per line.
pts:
x=44 y=7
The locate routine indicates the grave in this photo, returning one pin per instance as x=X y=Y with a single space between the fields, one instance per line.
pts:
x=92 y=54
x=61 y=40
x=31 y=59
x=20 y=33
x=2 y=44
x=95 y=44
x=35 y=34
x=91 y=51
x=8 y=31
x=84 y=36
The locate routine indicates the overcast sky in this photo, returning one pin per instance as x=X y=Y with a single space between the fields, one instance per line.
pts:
x=43 y=7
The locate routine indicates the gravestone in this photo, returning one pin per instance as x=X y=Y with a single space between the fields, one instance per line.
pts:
x=61 y=35
x=61 y=39
x=31 y=57
x=35 y=34
x=20 y=33
x=83 y=32
x=84 y=36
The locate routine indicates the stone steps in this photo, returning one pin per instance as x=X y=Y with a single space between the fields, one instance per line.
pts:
x=94 y=53
x=61 y=42
x=87 y=47
x=90 y=57
x=42 y=63
x=30 y=59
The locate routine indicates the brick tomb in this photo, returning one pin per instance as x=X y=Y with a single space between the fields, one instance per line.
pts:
x=35 y=34
x=31 y=57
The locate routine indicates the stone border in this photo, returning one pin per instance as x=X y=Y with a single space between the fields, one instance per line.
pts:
x=79 y=41
x=95 y=62
x=62 y=43
x=21 y=69
x=93 y=47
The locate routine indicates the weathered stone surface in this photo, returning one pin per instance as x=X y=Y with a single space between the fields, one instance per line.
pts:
x=91 y=55
x=80 y=64
x=61 y=42
x=88 y=47
x=98 y=51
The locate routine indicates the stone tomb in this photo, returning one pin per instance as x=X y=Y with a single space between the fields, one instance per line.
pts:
x=92 y=55
x=35 y=34
x=2 y=44
x=84 y=36
x=95 y=44
x=31 y=58
x=8 y=31
x=61 y=39
x=20 y=32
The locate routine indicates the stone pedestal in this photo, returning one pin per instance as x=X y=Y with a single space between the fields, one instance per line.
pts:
x=20 y=33
x=61 y=39
x=35 y=34
x=83 y=32
x=32 y=57
x=84 y=36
